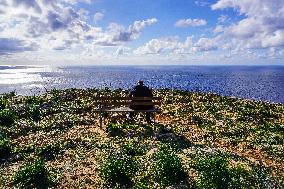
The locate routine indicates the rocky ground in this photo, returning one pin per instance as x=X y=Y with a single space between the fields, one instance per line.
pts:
x=199 y=141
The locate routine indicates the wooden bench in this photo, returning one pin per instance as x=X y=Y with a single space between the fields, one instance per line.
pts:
x=122 y=105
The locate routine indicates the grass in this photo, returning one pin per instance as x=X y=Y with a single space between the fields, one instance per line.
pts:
x=123 y=130
x=202 y=141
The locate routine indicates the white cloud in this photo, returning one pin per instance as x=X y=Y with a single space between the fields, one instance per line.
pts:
x=8 y=46
x=165 y=45
x=263 y=25
x=205 y=44
x=218 y=29
x=56 y=24
x=202 y=3
x=42 y=21
x=120 y=51
x=77 y=1
x=223 y=19
x=98 y=16
x=172 y=45
x=190 y=22
x=117 y=34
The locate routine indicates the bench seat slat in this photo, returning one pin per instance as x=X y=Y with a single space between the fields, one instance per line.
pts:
x=125 y=98
x=122 y=104
x=127 y=103
x=126 y=109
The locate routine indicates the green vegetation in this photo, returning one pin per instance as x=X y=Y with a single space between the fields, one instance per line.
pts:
x=33 y=175
x=3 y=103
x=34 y=113
x=5 y=148
x=215 y=172
x=125 y=166
x=49 y=151
x=119 y=170
x=7 y=117
x=133 y=148
x=167 y=168
x=201 y=141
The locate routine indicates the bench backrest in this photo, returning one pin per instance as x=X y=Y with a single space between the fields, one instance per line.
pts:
x=126 y=101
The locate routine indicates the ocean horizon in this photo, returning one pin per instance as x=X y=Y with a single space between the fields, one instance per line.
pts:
x=265 y=83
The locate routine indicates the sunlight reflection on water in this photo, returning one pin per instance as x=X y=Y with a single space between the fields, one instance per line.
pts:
x=22 y=75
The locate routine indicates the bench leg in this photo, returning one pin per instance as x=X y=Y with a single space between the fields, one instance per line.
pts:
x=101 y=120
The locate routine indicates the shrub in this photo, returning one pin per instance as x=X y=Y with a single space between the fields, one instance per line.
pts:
x=167 y=168
x=9 y=95
x=214 y=172
x=3 y=103
x=34 y=100
x=49 y=151
x=7 y=117
x=23 y=151
x=262 y=178
x=33 y=175
x=35 y=113
x=119 y=169
x=5 y=148
x=114 y=129
x=133 y=149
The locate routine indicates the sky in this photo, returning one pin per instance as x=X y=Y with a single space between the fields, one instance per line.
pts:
x=179 y=32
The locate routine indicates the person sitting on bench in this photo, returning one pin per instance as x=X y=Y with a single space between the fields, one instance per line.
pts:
x=141 y=91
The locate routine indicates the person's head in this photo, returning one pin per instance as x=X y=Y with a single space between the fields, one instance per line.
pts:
x=140 y=82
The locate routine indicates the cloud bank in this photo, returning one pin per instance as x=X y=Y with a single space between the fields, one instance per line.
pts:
x=263 y=25
x=58 y=25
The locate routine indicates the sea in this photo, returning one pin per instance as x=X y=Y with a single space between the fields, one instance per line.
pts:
x=265 y=83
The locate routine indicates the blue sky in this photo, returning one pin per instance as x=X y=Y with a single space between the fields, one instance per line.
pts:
x=70 y=32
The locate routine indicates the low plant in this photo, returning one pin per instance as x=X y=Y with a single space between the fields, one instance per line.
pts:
x=133 y=148
x=7 y=117
x=33 y=175
x=34 y=100
x=3 y=103
x=34 y=113
x=9 y=95
x=49 y=151
x=114 y=129
x=167 y=168
x=119 y=170
x=215 y=172
x=5 y=148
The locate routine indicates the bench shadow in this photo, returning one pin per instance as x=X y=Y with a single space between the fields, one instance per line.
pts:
x=123 y=127
x=168 y=136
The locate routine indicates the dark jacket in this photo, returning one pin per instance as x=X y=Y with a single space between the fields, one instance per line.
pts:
x=141 y=91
